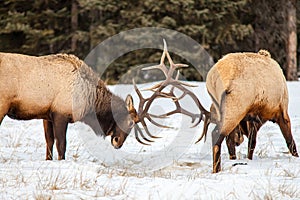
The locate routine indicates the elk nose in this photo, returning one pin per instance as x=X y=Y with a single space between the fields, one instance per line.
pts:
x=116 y=142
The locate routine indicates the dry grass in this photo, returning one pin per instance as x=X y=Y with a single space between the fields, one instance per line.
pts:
x=288 y=190
x=25 y=177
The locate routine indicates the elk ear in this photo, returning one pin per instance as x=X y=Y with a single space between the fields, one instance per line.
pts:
x=129 y=102
x=131 y=109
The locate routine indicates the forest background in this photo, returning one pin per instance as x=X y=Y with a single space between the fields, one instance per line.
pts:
x=40 y=27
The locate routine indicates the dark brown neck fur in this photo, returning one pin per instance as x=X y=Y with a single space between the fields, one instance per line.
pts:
x=109 y=108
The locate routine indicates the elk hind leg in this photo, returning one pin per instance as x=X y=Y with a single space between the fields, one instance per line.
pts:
x=252 y=133
x=285 y=126
x=252 y=127
x=230 y=142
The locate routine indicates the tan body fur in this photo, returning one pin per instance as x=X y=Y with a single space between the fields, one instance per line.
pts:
x=60 y=89
x=247 y=85
x=34 y=86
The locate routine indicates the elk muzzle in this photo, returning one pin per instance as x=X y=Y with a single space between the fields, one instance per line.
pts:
x=117 y=141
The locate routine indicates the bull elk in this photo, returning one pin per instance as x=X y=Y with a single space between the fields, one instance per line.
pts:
x=61 y=89
x=247 y=89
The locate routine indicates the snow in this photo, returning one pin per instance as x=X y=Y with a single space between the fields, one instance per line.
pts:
x=173 y=167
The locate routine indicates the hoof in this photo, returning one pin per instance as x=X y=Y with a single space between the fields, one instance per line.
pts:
x=295 y=154
x=232 y=157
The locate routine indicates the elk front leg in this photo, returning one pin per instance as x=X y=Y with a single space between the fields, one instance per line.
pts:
x=49 y=136
x=217 y=154
x=60 y=124
x=285 y=126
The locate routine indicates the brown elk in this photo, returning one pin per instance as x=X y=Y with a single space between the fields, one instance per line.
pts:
x=247 y=89
x=60 y=89
x=247 y=86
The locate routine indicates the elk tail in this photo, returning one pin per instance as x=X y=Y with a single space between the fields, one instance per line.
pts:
x=264 y=52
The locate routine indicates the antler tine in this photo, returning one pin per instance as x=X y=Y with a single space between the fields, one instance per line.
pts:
x=153 y=87
x=137 y=90
x=192 y=95
x=157 y=116
x=178 y=107
x=147 y=130
x=138 y=131
x=185 y=91
x=205 y=128
x=181 y=110
x=173 y=66
x=159 y=92
x=161 y=65
x=183 y=83
x=186 y=84
x=155 y=123
x=141 y=132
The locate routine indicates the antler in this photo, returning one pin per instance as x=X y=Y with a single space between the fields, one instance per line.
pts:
x=158 y=92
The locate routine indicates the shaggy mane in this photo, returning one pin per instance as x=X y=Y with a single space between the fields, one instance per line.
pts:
x=74 y=60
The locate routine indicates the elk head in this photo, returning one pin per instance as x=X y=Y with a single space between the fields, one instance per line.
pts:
x=124 y=124
x=161 y=90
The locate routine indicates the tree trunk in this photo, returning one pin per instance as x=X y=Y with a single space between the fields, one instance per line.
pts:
x=291 y=42
x=74 y=24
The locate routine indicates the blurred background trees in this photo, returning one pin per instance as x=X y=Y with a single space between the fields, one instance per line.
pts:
x=39 y=27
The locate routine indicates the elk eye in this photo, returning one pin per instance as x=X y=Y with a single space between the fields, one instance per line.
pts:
x=131 y=123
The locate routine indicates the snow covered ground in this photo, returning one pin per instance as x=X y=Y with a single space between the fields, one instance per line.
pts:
x=171 y=168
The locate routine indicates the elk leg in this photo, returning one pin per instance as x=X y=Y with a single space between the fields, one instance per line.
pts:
x=49 y=136
x=252 y=127
x=3 y=111
x=217 y=154
x=215 y=135
x=285 y=126
x=60 y=129
x=226 y=125
x=230 y=142
x=252 y=132
x=1 y=118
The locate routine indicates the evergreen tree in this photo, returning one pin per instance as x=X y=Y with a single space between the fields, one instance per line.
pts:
x=273 y=30
x=215 y=24
x=34 y=27
x=77 y=26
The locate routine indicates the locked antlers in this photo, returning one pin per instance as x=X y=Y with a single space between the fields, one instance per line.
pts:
x=158 y=92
